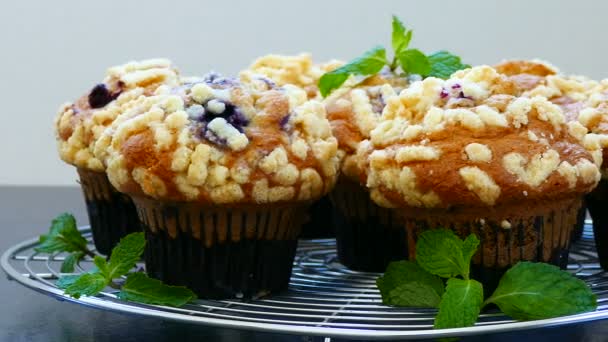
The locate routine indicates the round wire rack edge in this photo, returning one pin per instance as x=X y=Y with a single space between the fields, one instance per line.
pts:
x=353 y=333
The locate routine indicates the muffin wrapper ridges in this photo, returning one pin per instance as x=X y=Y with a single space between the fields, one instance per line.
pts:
x=596 y=203
x=368 y=237
x=319 y=224
x=221 y=252
x=536 y=238
x=112 y=215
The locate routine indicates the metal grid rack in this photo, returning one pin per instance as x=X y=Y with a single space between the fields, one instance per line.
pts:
x=324 y=298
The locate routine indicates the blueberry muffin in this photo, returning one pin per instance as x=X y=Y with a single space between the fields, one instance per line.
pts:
x=222 y=174
x=472 y=155
x=368 y=236
x=79 y=125
x=297 y=72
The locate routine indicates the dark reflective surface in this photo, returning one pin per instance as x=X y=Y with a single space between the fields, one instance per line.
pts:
x=26 y=315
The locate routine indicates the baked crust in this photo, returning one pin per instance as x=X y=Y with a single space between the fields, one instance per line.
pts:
x=476 y=139
x=354 y=111
x=298 y=70
x=221 y=141
x=78 y=125
x=582 y=99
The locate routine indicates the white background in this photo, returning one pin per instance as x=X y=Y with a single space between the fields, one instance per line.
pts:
x=54 y=51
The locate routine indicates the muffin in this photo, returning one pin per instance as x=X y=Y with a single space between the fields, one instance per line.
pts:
x=79 y=125
x=473 y=155
x=368 y=237
x=299 y=71
x=571 y=93
x=582 y=100
x=222 y=174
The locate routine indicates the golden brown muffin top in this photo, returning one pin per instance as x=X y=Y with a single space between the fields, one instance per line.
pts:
x=474 y=140
x=220 y=141
x=78 y=125
x=355 y=110
x=581 y=99
x=299 y=70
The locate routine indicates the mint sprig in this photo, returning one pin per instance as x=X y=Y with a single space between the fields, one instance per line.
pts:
x=138 y=287
x=64 y=236
x=411 y=61
x=526 y=291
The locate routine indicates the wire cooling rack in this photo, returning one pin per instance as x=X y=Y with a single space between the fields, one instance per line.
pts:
x=324 y=298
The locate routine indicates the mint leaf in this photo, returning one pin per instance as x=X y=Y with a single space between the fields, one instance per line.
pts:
x=406 y=284
x=469 y=247
x=70 y=261
x=65 y=281
x=530 y=291
x=63 y=236
x=124 y=256
x=444 y=64
x=140 y=288
x=102 y=266
x=413 y=61
x=401 y=37
x=412 y=294
x=440 y=252
x=87 y=284
x=460 y=304
x=371 y=62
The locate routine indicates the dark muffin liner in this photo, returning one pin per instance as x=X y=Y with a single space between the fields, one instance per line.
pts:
x=319 y=224
x=221 y=252
x=544 y=237
x=368 y=237
x=112 y=215
x=597 y=202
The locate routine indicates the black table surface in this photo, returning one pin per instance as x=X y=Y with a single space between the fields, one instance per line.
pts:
x=26 y=315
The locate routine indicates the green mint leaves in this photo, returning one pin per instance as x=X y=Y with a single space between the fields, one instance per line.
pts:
x=406 y=284
x=441 y=252
x=460 y=305
x=535 y=291
x=443 y=64
x=411 y=61
x=401 y=37
x=87 y=284
x=69 y=263
x=64 y=236
x=140 y=288
x=123 y=257
x=526 y=291
x=371 y=62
